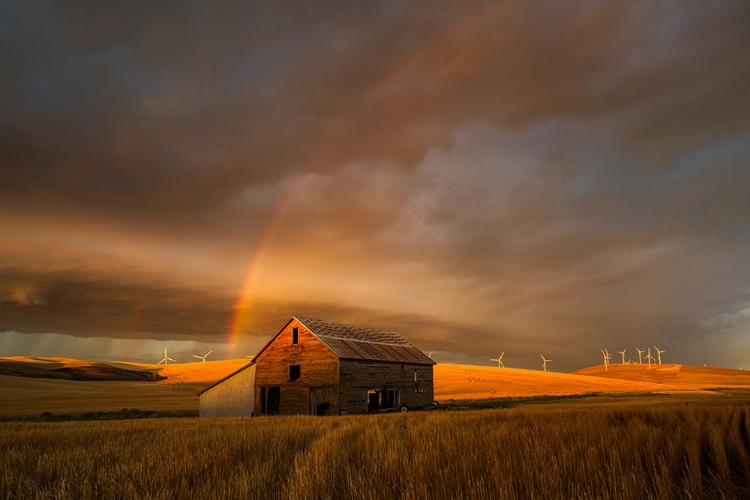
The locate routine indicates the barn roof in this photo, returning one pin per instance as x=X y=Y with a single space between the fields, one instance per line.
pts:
x=351 y=342
x=244 y=367
x=358 y=342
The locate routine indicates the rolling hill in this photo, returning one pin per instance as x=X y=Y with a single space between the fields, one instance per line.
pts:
x=672 y=376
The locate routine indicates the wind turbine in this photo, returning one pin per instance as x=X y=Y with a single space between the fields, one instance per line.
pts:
x=640 y=361
x=623 y=355
x=544 y=362
x=607 y=357
x=166 y=358
x=430 y=355
x=659 y=353
x=499 y=360
x=204 y=356
x=649 y=358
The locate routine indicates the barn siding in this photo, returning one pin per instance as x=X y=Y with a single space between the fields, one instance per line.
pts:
x=319 y=368
x=234 y=397
x=357 y=376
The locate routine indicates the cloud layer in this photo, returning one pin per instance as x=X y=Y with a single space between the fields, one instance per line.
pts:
x=482 y=176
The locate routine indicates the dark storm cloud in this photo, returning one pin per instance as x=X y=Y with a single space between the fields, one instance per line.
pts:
x=94 y=292
x=132 y=109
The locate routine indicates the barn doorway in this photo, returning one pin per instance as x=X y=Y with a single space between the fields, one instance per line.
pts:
x=323 y=409
x=373 y=400
x=322 y=400
x=270 y=400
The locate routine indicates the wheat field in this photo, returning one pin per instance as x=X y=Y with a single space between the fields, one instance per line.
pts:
x=698 y=450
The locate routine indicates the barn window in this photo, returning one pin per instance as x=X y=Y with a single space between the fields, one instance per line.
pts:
x=383 y=398
x=390 y=398
x=294 y=372
x=295 y=335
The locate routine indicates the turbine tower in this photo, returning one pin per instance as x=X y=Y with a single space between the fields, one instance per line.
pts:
x=166 y=358
x=204 y=356
x=499 y=360
x=659 y=353
x=544 y=362
x=430 y=355
x=607 y=357
x=640 y=360
x=649 y=358
x=622 y=353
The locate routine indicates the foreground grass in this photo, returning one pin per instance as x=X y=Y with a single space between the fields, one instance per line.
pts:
x=672 y=451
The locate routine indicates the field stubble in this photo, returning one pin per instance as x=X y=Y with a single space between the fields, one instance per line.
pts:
x=622 y=452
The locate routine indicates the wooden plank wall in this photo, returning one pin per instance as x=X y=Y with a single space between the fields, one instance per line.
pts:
x=359 y=376
x=319 y=368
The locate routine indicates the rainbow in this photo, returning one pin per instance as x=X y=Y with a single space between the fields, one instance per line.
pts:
x=433 y=46
x=243 y=303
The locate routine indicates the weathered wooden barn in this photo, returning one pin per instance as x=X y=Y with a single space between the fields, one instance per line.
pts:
x=321 y=368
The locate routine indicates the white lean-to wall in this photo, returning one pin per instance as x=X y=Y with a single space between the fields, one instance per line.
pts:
x=234 y=397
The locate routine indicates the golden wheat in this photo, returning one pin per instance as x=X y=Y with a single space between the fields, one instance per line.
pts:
x=573 y=452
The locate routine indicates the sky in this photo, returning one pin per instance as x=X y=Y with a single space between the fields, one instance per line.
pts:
x=524 y=177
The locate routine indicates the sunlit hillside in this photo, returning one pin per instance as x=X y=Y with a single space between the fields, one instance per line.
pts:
x=30 y=386
x=191 y=373
x=474 y=382
x=678 y=377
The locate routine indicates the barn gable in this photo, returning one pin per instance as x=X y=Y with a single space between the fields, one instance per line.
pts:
x=296 y=373
x=358 y=342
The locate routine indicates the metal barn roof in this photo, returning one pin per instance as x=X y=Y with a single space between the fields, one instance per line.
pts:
x=357 y=342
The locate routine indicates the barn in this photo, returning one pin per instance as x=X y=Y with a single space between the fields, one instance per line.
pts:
x=315 y=367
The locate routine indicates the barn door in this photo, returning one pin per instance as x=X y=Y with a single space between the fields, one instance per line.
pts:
x=270 y=400
x=321 y=400
x=373 y=400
